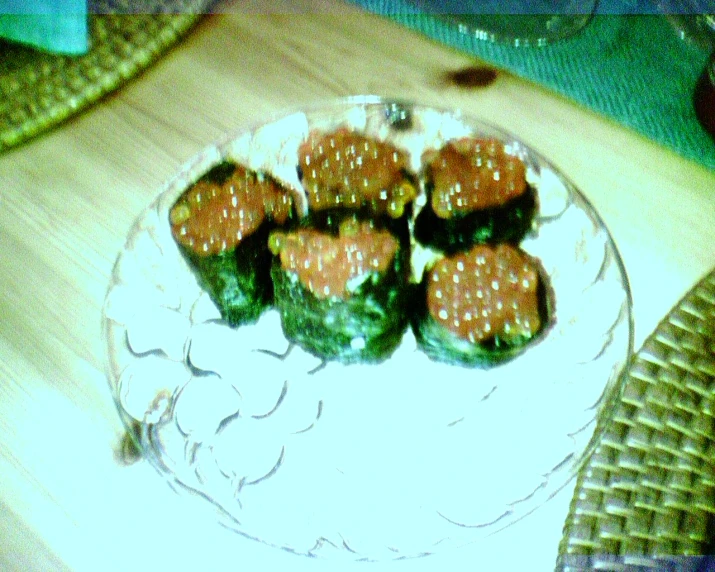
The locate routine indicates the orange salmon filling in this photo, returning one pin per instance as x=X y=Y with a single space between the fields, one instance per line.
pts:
x=484 y=293
x=471 y=174
x=346 y=169
x=329 y=265
x=210 y=218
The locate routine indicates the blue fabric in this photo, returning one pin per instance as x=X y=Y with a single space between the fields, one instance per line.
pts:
x=58 y=26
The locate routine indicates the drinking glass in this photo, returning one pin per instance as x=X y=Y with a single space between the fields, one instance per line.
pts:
x=513 y=22
x=694 y=20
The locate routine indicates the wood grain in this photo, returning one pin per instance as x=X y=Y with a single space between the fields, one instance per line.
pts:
x=68 y=199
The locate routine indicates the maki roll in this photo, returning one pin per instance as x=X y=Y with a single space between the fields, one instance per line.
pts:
x=482 y=306
x=476 y=193
x=361 y=260
x=348 y=170
x=342 y=296
x=221 y=224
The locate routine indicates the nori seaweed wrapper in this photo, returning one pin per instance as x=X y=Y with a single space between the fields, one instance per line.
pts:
x=509 y=222
x=365 y=326
x=238 y=281
x=444 y=345
x=476 y=192
x=237 y=278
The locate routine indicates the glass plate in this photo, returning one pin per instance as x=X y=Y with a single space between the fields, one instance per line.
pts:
x=386 y=461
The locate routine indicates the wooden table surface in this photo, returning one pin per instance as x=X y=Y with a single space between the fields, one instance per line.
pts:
x=68 y=198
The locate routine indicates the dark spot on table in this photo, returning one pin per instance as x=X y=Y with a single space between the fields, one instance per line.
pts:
x=471 y=76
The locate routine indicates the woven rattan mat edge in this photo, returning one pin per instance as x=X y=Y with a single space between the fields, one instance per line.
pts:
x=40 y=90
x=645 y=499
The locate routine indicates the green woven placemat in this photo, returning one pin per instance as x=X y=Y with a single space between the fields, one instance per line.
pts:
x=634 y=69
x=39 y=90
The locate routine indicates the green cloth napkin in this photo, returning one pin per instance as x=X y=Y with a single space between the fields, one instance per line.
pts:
x=58 y=26
x=632 y=68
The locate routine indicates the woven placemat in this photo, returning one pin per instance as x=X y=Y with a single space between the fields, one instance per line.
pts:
x=634 y=69
x=39 y=90
x=646 y=496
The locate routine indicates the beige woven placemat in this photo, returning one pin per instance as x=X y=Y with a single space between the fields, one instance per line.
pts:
x=646 y=496
x=39 y=90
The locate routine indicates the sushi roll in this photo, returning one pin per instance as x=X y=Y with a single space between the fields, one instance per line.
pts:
x=221 y=224
x=481 y=307
x=342 y=296
x=476 y=193
x=344 y=169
